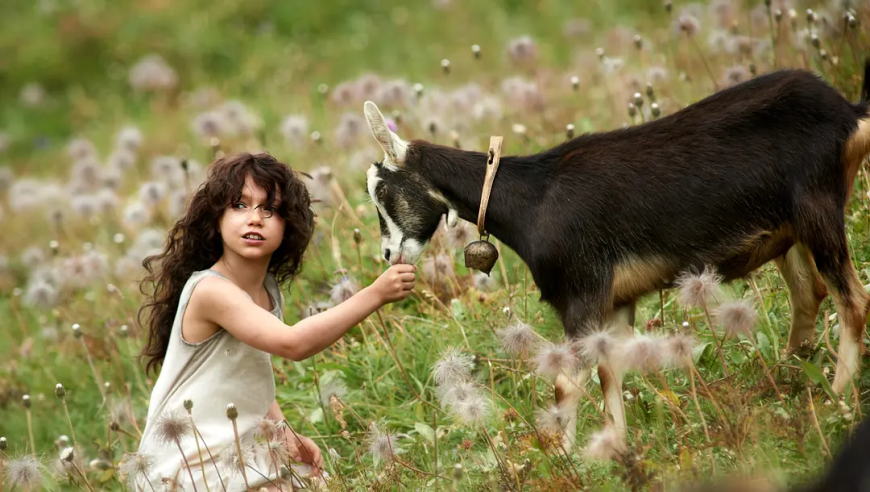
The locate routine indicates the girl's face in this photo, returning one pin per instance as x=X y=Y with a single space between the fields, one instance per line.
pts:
x=250 y=227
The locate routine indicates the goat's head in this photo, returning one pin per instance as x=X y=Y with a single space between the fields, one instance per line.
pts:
x=409 y=208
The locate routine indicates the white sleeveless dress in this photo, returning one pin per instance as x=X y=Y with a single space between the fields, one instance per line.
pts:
x=212 y=373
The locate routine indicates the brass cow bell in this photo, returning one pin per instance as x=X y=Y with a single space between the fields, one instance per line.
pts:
x=481 y=255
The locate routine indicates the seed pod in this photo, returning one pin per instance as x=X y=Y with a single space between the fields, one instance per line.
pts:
x=59 y=391
x=188 y=404
x=475 y=50
x=638 y=100
x=632 y=110
x=569 y=131
x=232 y=411
x=445 y=65
x=654 y=108
x=25 y=400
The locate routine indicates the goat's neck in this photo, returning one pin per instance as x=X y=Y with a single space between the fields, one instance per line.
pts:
x=459 y=174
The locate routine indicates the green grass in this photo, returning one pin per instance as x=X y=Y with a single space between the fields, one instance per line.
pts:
x=272 y=56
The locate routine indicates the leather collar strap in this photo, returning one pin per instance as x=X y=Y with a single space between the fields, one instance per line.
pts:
x=491 y=168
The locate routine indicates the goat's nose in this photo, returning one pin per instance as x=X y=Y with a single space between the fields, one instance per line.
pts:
x=387 y=255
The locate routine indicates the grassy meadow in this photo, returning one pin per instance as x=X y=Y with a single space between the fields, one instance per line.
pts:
x=111 y=111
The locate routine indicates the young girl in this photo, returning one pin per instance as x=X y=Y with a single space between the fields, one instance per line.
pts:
x=215 y=320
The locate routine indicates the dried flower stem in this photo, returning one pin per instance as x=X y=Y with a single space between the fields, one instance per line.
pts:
x=97 y=377
x=238 y=450
x=198 y=449
x=30 y=431
x=716 y=339
x=816 y=422
x=187 y=465
x=81 y=472
x=766 y=369
x=72 y=432
x=698 y=405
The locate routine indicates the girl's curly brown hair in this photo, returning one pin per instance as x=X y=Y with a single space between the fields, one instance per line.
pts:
x=194 y=243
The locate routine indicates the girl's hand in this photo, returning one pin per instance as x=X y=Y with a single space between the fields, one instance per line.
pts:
x=396 y=283
x=304 y=450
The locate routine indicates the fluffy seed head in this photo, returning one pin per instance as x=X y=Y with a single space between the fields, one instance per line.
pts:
x=381 y=444
x=737 y=317
x=472 y=410
x=553 y=419
x=451 y=395
x=678 y=350
x=333 y=387
x=642 y=353
x=517 y=338
x=453 y=367
x=698 y=290
x=605 y=445
x=343 y=290
x=24 y=473
x=266 y=428
x=229 y=460
x=597 y=346
x=136 y=464
x=171 y=427
x=554 y=360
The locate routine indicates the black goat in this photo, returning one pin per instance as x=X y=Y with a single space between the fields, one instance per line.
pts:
x=757 y=172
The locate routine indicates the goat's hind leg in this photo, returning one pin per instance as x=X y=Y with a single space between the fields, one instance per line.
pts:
x=823 y=231
x=806 y=293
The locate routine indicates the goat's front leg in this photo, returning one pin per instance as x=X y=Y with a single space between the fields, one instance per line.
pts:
x=581 y=315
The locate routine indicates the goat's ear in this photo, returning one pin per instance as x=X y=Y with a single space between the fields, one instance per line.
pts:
x=394 y=147
x=452 y=217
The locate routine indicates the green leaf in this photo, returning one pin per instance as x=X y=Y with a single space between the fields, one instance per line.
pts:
x=316 y=416
x=764 y=345
x=817 y=377
x=699 y=351
x=426 y=431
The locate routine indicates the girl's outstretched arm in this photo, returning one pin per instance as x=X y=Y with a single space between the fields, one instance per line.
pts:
x=225 y=304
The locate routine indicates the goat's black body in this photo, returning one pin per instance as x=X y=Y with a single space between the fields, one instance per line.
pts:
x=732 y=181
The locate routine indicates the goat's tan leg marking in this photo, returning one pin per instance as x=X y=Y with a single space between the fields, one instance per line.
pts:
x=611 y=386
x=568 y=393
x=857 y=148
x=806 y=291
x=852 y=307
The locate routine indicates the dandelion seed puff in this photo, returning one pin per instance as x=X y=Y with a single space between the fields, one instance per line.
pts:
x=455 y=393
x=241 y=120
x=152 y=193
x=80 y=149
x=209 y=124
x=345 y=93
x=522 y=50
x=605 y=445
x=295 y=130
x=32 y=257
x=86 y=170
x=136 y=215
x=473 y=410
x=343 y=290
x=454 y=366
x=678 y=350
x=122 y=159
x=349 y=129
x=553 y=419
x=688 y=24
x=24 y=472
x=381 y=445
x=737 y=317
x=129 y=138
x=597 y=346
x=333 y=387
x=41 y=295
x=436 y=266
x=732 y=76
x=229 y=461
x=266 y=428
x=555 y=359
x=111 y=177
x=152 y=73
x=107 y=201
x=32 y=95
x=171 y=427
x=85 y=205
x=641 y=353
x=134 y=465
x=517 y=338
x=167 y=169
x=484 y=282
x=698 y=290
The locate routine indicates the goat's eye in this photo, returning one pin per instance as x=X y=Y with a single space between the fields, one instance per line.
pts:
x=381 y=193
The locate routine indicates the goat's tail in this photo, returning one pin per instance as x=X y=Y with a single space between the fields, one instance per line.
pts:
x=849 y=471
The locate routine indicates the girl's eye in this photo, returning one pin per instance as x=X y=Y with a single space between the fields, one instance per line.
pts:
x=239 y=204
